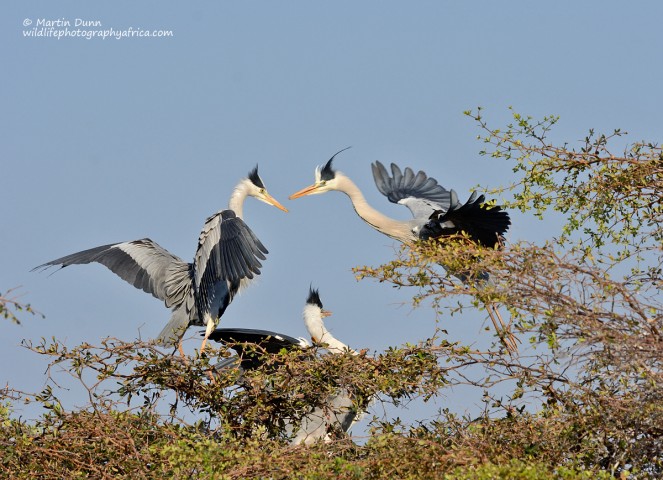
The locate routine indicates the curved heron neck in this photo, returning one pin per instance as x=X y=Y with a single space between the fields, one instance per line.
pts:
x=319 y=333
x=396 y=229
x=236 y=202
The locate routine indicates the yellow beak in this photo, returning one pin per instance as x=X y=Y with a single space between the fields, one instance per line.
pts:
x=325 y=313
x=272 y=201
x=305 y=191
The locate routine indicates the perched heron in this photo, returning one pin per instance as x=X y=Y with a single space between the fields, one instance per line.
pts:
x=436 y=211
x=227 y=257
x=339 y=410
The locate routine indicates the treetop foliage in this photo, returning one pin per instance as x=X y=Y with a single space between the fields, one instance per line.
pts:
x=583 y=397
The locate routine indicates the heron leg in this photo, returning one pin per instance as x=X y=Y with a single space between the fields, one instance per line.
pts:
x=181 y=350
x=208 y=331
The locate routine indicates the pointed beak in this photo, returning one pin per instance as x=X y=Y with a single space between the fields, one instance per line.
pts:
x=272 y=201
x=305 y=191
x=325 y=313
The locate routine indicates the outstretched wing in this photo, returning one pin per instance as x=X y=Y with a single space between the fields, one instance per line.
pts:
x=272 y=342
x=142 y=263
x=228 y=251
x=482 y=223
x=420 y=193
x=250 y=344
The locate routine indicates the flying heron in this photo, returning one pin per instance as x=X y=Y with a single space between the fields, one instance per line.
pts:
x=227 y=257
x=436 y=211
x=339 y=410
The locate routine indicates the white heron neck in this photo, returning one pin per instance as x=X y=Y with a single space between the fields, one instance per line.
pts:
x=318 y=332
x=236 y=202
x=396 y=229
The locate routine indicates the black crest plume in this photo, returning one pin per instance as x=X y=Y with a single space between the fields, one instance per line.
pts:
x=314 y=297
x=327 y=172
x=255 y=178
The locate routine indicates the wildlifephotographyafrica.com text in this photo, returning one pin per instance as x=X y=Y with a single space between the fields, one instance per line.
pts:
x=84 y=28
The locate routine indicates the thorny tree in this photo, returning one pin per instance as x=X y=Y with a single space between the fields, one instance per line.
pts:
x=586 y=388
x=588 y=301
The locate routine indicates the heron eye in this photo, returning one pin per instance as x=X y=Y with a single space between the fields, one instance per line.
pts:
x=323 y=183
x=262 y=191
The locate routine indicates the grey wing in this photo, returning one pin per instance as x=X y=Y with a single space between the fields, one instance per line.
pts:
x=420 y=193
x=227 y=251
x=142 y=263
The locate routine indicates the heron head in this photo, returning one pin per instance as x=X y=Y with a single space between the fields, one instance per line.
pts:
x=314 y=304
x=257 y=190
x=325 y=180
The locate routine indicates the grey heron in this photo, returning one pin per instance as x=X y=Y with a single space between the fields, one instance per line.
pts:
x=227 y=257
x=436 y=211
x=339 y=410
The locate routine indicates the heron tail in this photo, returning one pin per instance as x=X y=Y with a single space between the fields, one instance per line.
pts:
x=174 y=329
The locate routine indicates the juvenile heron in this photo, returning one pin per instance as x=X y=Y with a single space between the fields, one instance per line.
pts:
x=227 y=257
x=339 y=410
x=436 y=212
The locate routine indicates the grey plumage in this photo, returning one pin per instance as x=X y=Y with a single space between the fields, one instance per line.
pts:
x=428 y=201
x=420 y=193
x=436 y=212
x=227 y=256
x=227 y=252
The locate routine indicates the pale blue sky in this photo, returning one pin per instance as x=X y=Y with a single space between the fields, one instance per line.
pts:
x=112 y=140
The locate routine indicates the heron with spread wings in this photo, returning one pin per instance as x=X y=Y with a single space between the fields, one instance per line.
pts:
x=227 y=258
x=436 y=211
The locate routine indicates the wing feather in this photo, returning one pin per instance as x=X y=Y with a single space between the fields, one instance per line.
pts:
x=143 y=263
x=271 y=341
x=178 y=285
x=482 y=223
x=408 y=177
x=418 y=192
x=228 y=251
x=249 y=344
